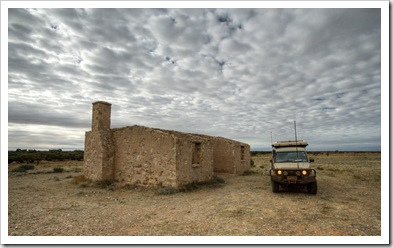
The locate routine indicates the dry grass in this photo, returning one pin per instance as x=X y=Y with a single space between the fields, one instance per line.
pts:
x=80 y=179
x=347 y=203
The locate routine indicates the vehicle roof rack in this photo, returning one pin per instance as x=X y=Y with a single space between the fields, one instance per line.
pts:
x=290 y=143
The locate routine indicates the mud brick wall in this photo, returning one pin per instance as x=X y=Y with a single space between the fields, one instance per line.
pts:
x=144 y=156
x=98 y=155
x=153 y=157
x=244 y=162
x=194 y=160
x=230 y=156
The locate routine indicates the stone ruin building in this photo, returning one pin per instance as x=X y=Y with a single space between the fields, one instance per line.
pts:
x=152 y=157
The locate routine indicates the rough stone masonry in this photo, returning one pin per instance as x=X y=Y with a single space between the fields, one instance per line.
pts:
x=152 y=157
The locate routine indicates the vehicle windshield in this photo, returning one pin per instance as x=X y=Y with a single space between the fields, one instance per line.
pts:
x=291 y=157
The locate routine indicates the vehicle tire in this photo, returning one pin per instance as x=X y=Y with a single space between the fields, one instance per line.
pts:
x=275 y=187
x=312 y=188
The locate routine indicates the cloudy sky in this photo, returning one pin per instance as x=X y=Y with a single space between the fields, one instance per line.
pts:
x=238 y=73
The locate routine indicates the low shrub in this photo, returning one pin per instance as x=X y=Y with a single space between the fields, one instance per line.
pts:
x=18 y=170
x=24 y=168
x=104 y=183
x=215 y=182
x=166 y=191
x=247 y=173
x=191 y=186
x=58 y=170
x=76 y=169
x=84 y=184
x=27 y=166
x=217 y=179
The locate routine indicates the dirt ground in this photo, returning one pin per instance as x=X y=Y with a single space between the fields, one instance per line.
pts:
x=348 y=203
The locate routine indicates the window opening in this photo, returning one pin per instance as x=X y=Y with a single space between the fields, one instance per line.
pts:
x=242 y=153
x=196 y=153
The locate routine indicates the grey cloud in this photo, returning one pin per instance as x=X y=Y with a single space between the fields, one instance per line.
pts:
x=48 y=41
x=94 y=23
x=108 y=61
x=44 y=137
x=19 y=32
x=230 y=72
x=22 y=66
x=22 y=17
x=233 y=47
x=25 y=50
x=43 y=114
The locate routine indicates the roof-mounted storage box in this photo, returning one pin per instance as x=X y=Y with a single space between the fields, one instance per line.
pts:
x=290 y=143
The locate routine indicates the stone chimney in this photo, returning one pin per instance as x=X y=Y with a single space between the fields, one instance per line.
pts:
x=101 y=116
x=99 y=146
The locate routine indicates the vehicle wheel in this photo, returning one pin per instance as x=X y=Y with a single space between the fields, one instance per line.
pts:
x=312 y=188
x=275 y=187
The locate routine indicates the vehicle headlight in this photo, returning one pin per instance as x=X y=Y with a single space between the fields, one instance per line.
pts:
x=298 y=173
x=304 y=172
x=285 y=173
x=279 y=172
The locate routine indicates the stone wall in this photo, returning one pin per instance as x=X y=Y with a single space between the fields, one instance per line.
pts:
x=153 y=157
x=99 y=155
x=230 y=156
x=243 y=164
x=101 y=119
x=144 y=156
x=99 y=148
x=149 y=157
x=194 y=159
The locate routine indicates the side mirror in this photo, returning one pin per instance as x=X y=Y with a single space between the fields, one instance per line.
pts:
x=311 y=160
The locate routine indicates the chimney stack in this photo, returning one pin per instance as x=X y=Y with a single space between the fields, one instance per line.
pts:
x=101 y=116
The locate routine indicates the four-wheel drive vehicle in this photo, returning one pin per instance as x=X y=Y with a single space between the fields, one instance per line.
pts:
x=291 y=166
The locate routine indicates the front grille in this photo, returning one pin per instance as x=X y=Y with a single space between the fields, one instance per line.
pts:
x=291 y=173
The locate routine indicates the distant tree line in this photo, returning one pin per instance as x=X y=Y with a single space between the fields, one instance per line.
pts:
x=254 y=153
x=30 y=156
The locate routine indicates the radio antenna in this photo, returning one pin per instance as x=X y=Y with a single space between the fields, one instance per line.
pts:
x=271 y=142
x=297 y=156
x=294 y=123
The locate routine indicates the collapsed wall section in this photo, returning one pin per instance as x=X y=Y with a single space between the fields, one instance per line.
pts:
x=144 y=156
